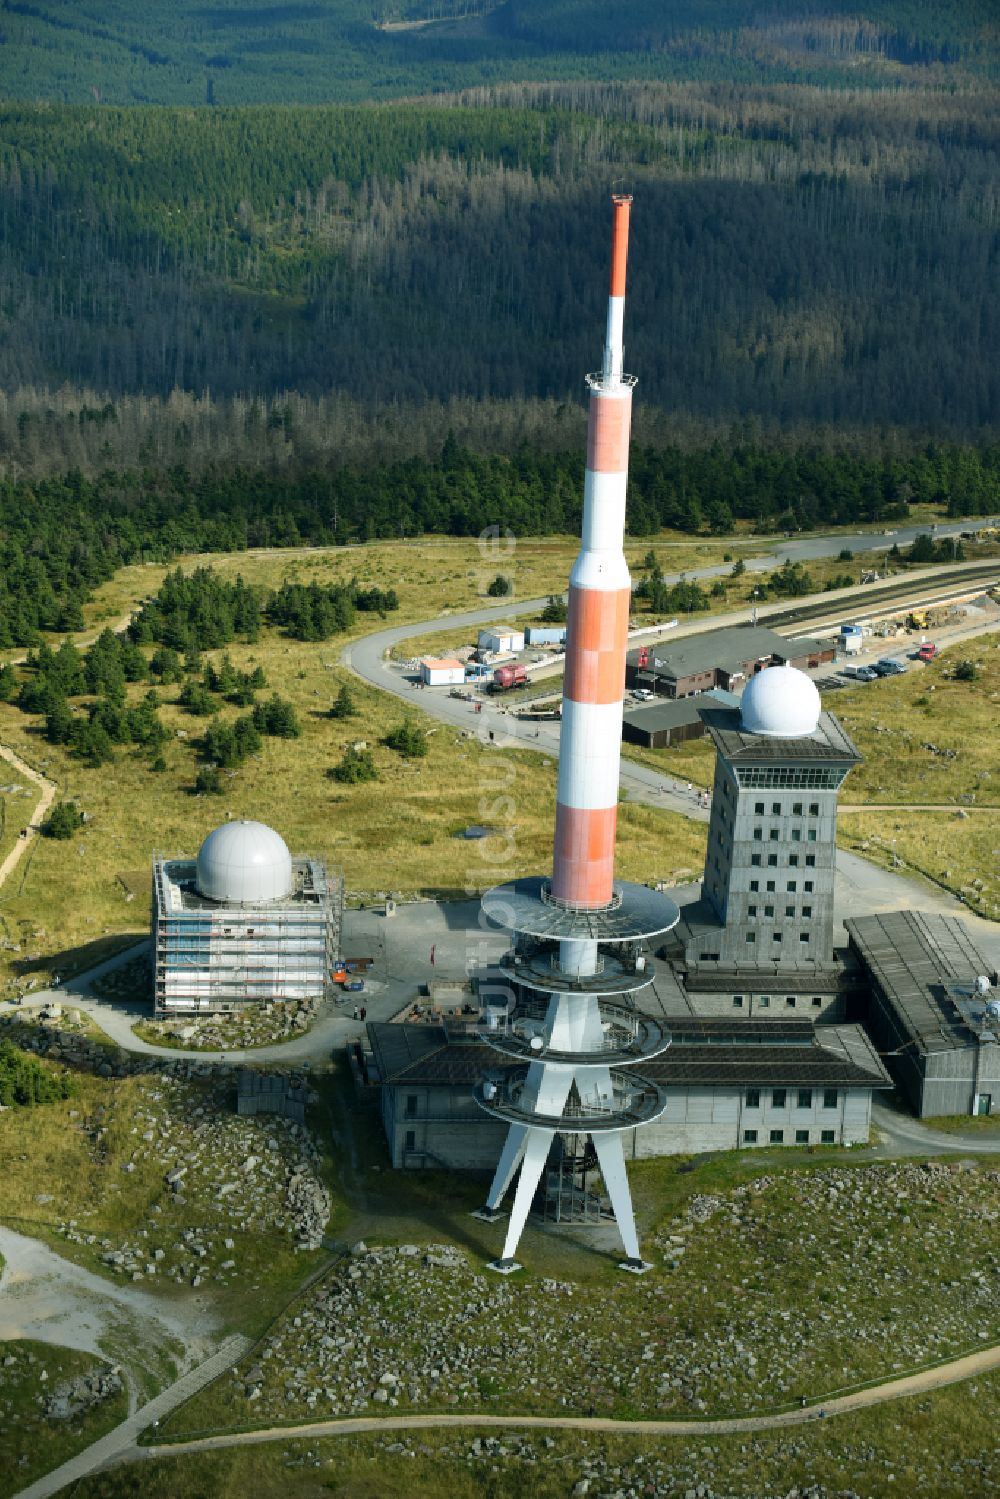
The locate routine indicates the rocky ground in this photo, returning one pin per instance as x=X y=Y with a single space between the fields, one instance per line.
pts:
x=258 y=1025
x=224 y=1179
x=51 y=1401
x=798 y=1283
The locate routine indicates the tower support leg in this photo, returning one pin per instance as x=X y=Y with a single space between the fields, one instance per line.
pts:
x=611 y=1157
x=508 y=1163
x=535 y=1153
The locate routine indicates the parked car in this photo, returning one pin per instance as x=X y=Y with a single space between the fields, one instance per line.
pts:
x=888 y=668
x=642 y=694
x=860 y=673
x=355 y=986
x=927 y=651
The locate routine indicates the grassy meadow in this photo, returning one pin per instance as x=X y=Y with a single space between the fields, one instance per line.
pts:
x=71 y=903
x=31 y=1445
x=936 y=1446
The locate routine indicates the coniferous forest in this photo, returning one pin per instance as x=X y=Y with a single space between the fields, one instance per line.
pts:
x=232 y=323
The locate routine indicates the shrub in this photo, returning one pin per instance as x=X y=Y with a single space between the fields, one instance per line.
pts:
x=356 y=766
x=208 y=781
x=62 y=821
x=500 y=587
x=24 y=1081
x=343 y=706
x=408 y=740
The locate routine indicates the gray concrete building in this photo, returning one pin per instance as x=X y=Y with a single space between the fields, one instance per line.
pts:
x=939 y=1035
x=658 y=725
x=762 y=932
x=729 y=1087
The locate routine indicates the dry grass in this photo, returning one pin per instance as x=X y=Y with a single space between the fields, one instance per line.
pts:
x=395 y=834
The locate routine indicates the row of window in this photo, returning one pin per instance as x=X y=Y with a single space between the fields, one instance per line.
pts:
x=772 y=861
x=777 y=1137
x=789 y=778
x=764 y=1000
x=791 y=887
x=777 y=808
x=774 y=835
x=779 y=1098
x=769 y=911
x=751 y=938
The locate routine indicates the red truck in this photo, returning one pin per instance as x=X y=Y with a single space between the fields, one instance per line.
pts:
x=927 y=651
x=506 y=677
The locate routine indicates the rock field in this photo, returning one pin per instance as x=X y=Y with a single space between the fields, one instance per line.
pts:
x=257 y=1025
x=799 y=1283
x=222 y=1181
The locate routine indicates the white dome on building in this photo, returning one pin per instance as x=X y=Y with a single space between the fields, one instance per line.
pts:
x=244 y=863
x=780 y=702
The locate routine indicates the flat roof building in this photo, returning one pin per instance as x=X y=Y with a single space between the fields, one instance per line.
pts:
x=939 y=1034
x=728 y=1086
x=245 y=923
x=658 y=725
x=725 y=658
x=441 y=671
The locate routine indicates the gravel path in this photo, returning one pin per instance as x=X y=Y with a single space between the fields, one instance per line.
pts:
x=920 y=1383
x=48 y=790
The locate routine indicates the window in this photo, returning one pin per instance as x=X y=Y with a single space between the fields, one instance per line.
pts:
x=764 y=1002
x=710 y=957
x=808 y=887
x=810 y=861
x=793 y=860
x=773 y=835
x=803 y=936
x=777 y=1137
x=828 y=1136
x=749 y=1137
x=752 y=1100
x=805 y=1098
x=751 y=910
x=755 y=861
x=814 y=809
x=811 y=835
x=750 y=938
x=817 y=1002
x=807 y=910
x=797 y=809
x=768 y=910
x=789 y=1001
x=758 y=808
x=772 y=861
x=796 y=835
x=775 y=936
x=770 y=887
x=775 y=809
x=754 y=885
x=410 y=1143
x=737 y=1001
x=411 y=1105
x=758 y=835
x=790 y=887
x=777 y=1098
x=802 y=1137
x=789 y=910
x=830 y=1098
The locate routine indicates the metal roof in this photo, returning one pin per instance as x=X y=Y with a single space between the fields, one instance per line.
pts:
x=728 y=649
x=830 y=742
x=672 y=713
x=913 y=957
x=795 y=1055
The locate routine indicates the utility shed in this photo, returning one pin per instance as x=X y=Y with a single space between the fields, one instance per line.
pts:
x=658 y=725
x=940 y=1041
x=441 y=671
x=501 y=638
x=729 y=1086
x=724 y=658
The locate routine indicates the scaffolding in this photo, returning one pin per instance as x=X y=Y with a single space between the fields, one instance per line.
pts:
x=212 y=957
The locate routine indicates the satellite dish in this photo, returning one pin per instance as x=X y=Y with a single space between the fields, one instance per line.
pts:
x=982 y=986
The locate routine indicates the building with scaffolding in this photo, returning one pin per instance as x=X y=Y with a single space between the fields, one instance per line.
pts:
x=242 y=924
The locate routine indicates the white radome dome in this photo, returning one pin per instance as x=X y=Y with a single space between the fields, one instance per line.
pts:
x=780 y=702
x=244 y=863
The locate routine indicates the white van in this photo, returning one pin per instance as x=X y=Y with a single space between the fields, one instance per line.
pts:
x=860 y=673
